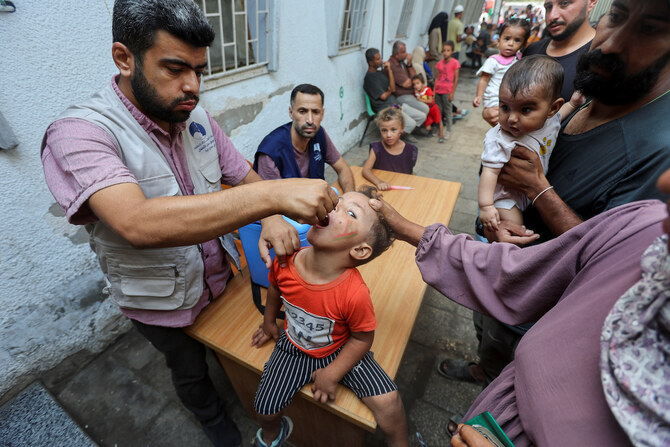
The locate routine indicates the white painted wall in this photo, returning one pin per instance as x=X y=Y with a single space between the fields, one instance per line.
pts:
x=55 y=54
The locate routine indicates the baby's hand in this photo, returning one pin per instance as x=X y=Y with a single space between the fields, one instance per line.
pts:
x=382 y=186
x=489 y=217
x=324 y=386
x=264 y=333
x=577 y=99
x=477 y=101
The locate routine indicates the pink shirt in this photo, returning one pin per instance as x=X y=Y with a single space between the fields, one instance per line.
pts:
x=80 y=158
x=268 y=170
x=444 y=84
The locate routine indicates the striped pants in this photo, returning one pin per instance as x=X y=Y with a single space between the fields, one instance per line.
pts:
x=289 y=369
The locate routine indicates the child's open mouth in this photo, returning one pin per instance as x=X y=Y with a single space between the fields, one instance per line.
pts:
x=323 y=223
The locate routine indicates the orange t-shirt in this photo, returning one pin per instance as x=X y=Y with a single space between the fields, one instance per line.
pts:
x=321 y=317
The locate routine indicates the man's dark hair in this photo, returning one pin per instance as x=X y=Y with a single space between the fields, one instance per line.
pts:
x=135 y=22
x=396 y=46
x=370 y=54
x=523 y=23
x=381 y=235
x=308 y=89
x=531 y=71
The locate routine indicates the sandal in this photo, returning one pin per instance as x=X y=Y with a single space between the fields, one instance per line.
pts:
x=458 y=369
x=451 y=427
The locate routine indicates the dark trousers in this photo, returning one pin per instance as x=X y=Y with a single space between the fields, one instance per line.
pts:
x=475 y=60
x=497 y=343
x=186 y=359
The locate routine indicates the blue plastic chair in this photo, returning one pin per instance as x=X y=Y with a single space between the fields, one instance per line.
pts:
x=249 y=235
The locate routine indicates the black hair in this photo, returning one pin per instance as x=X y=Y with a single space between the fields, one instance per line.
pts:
x=381 y=235
x=370 y=54
x=449 y=43
x=307 y=89
x=419 y=76
x=135 y=22
x=523 y=23
x=535 y=70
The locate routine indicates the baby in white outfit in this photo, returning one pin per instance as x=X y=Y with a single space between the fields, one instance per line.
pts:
x=530 y=111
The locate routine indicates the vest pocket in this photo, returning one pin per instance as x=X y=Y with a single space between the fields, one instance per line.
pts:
x=154 y=279
x=159 y=186
x=212 y=173
x=158 y=281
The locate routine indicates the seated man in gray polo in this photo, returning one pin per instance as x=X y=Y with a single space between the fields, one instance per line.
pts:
x=380 y=85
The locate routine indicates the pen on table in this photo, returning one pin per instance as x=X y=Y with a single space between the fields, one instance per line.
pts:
x=404 y=188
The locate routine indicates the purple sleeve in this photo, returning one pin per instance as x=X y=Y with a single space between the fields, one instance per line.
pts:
x=234 y=167
x=501 y=280
x=79 y=159
x=267 y=168
x=332 y=154
x=517 y=285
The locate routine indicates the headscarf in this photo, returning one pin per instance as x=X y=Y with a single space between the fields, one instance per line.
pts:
x=441 y=20
x=635 y=352
x=418 y=56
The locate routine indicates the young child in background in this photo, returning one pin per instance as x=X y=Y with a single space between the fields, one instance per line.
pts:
x=530 y=116
x=391 y=153
x=330 y=323
x=425 y=94
x=513 y=36
x=446 y=83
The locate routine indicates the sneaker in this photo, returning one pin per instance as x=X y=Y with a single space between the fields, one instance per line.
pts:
x=284 y=433
x=447 y=134
x=460 y=116
x=441 y=140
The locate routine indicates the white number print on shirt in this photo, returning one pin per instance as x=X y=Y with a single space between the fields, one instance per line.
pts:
x=307 y=330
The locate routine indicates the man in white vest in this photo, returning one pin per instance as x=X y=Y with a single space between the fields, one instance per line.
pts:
x=141 y=165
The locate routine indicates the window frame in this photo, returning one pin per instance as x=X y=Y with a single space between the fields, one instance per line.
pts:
x=259 y=46
x=353 y=27
x=405 y=19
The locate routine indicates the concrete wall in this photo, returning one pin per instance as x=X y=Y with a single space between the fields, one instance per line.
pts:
x=55 y=54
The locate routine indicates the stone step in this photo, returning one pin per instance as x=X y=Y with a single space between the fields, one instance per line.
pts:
x=34 y=418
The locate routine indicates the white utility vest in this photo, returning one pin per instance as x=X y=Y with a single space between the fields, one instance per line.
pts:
x=159 y=278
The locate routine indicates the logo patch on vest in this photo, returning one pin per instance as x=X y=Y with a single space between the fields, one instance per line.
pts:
x=201 y=141
x=197 y=130
x=317 y=152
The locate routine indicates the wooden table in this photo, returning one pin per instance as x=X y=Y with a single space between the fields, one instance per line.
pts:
x=397 y=291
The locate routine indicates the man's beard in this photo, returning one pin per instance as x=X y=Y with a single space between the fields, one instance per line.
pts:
x=304 y=133
x=152 y=104
x=570 y=28
x=617 y=89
